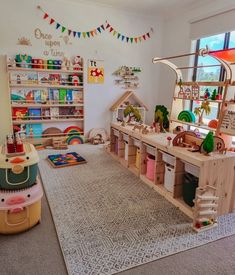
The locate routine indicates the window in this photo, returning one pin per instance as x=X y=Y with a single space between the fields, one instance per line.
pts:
x=211 y=73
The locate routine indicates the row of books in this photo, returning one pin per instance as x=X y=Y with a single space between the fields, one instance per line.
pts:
x=23 y=113
x=61 y=96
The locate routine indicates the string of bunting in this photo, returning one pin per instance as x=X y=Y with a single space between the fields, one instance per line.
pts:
x=98 y=30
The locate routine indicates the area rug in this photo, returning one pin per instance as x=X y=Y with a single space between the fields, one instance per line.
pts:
x=108 y=220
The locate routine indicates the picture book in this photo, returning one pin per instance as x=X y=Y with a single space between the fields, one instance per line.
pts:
x=19 y=113
x=46 y=113
x=43 y=78
x=77 y=97
x=18 y=95
x=69 y=96
x=29 y=96
x=18 y=78
x=51 y=95
x=44 y=96
x=37 y=96
x=62 y=96
x=34 y=113
x=34 y=130
x=54 y=79
x=66 y=112
x=54 y=111
x=56 y=95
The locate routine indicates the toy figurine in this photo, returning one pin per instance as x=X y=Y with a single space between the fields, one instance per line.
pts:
x=77 y=65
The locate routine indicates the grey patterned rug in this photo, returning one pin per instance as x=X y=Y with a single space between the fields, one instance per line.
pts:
x=108 y=220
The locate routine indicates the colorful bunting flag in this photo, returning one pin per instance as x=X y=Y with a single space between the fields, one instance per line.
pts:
x=45 y=16
x=92 y=33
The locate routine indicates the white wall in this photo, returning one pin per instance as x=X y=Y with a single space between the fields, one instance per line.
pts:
x=21 y=18
x=176 y=40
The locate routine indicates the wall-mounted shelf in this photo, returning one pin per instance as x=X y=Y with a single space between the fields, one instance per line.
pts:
x=36 y=121
x=44 y=70
x=38 y=86
x=205 y=127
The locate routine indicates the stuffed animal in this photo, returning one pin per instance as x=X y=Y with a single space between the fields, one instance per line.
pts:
x=77 y=64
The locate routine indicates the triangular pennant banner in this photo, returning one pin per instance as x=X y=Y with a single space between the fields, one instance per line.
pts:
x=84 y=34
x=114 y=33
x=131 y=39
x=79 y=34
x=140 y=39
x=136 y=39
x=95 y=32
x=57 y=25
x=88 y=34
x=52 y=21
x=69 y=32
x=63 y=29
x=127 y=39
x=148 y=34
x=99 y=30
x=144 y=37
x=102 y=26
x=74 y=33
x=118 y=35
x=92 y=33
x=111 y=29
x=123 y=37
x=45 y=16
x=107 y=26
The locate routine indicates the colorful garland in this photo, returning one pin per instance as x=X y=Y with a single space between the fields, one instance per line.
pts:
x=101 y=28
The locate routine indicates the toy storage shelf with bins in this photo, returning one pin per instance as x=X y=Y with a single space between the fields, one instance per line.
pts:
x=46 y=94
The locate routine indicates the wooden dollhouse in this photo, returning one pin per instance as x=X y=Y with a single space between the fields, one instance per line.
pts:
x=128 y=98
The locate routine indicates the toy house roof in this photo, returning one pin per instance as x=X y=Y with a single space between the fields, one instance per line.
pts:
x=127 y=95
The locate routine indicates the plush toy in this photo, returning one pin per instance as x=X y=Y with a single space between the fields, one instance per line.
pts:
x=77 y=64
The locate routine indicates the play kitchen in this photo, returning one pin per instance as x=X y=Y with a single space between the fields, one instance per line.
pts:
x=20 y=190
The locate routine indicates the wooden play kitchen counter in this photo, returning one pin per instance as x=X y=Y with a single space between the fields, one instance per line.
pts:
x=171 y=163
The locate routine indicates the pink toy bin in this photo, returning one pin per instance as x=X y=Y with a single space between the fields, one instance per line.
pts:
x=150 y=167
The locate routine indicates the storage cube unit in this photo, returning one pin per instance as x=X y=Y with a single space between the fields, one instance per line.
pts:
x=18 y=171
x=20 y=210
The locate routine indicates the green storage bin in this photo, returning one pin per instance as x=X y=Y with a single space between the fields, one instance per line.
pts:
x=18 y=171
x=190 y=185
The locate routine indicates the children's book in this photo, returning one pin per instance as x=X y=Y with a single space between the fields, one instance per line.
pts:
x=51 y=95
x=37 y=96
x=18 y=95
x=18 y=78
x=29 y=96
x=44 y=96
x=62 y=96
x=77 y=97
x=43 y=78
x=19 y=113
x=34 y=129
x=56 y=95
x=54 y=112
x=46 y=113
x=69 y=96
x=34 y=113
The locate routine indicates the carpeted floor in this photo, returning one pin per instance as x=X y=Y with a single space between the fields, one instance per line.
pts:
x=107 y=220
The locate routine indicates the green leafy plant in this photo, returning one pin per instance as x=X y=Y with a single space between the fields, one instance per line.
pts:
x=208 y=143
x=199 y=111
x=214 y=93
x=133 y=113
x=161 y=117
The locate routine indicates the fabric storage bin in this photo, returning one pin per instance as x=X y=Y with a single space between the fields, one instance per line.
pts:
x=190 y=184
x=18 y=171
x=37 y=63
x=168 y=158
x=150 y=149
x=20 y=210
x=192 y=169
x=137 y=161
x=50 y=64
x=126 y=151
x=136 y=142
x=150 y=167
x=171 y=178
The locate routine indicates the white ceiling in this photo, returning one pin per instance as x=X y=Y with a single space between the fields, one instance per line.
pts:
x=148 y=7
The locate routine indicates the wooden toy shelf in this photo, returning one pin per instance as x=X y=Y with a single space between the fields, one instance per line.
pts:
x=216 y=170
x=40 y=96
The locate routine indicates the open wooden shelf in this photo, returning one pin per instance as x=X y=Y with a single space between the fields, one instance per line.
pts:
x=205 y=127
x=36 y=121
x=207 y=83
x=44 y=70
x=201 y=99
x=69 y=87
x=46 y=105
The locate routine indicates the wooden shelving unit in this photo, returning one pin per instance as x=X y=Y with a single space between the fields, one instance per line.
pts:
x=28 y=80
